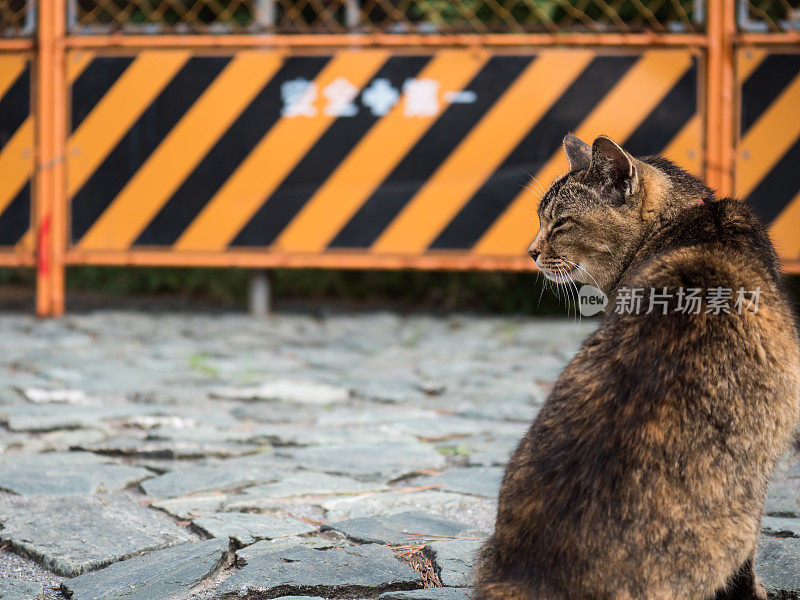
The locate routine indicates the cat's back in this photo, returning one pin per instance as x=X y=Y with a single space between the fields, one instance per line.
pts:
x=712 y=289
x=712 y=354
x=714 y=240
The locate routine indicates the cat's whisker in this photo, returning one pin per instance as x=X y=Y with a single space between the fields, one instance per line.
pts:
x=573 y=293
x=541 y=288
x=561 y=277
x=577 y=266
x=536 y=181
x=539 y=183
x=577 y=297
x=555 y=287
x=567 y=290
x=533 y=191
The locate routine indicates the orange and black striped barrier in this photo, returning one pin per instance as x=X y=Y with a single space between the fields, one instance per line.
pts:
x=16 y=159
x=364 y=150
x=768 y=154
x=361 y=152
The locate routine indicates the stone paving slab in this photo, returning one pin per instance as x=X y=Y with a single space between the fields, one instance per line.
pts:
x=780 y=527
x=777 y=562
x=60 y=473
x=160 y=575
x=20 y=590
x=246 y=528
x=389 y=460
x=70 y=535
x=274 y=547
x=442 y=593
x=37 y=418
x=148 y=446
x=297 y=485
x=476 y=481
x=286 y=390
x=340 y=572
x=189 y=507
x=221 y=476
x=287 y=434
x=387 y=503
x=397 y=529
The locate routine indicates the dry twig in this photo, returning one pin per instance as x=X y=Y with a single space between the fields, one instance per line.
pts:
x=414 y=557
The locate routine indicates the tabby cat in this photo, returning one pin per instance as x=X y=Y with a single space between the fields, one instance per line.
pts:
x=644 y=474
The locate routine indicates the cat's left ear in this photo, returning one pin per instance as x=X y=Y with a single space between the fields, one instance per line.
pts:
x=612 y=169
x=579 y=153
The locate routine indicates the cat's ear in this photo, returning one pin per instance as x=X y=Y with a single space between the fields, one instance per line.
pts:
x=579 y=153
x=612 y=169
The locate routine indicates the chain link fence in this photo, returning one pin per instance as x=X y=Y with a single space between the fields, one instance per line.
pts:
x=769 y=15
x=390 y=16
x=17 y=18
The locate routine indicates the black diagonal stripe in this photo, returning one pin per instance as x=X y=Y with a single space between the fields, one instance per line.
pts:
x=429 y=153
x=93 y=83
x=778 y=188
x=15 y=106
x=533 y=151
x=226 y=155
x=316 y=166
x=765 y=84
x=16 y=218
x=666 y=119
x=143 y=137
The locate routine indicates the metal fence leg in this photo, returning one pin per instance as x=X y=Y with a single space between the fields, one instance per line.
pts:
x=720 y=125
x=260 y=296
x=49 y=198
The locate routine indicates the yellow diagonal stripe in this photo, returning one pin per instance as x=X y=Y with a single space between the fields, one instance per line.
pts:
x=118 y=110
x=532 y=94
x=25 y=243
x=747 y=61
x=77 y=62
x=16 y=157
x=16 y=163
x=685 y=148
x=768 y=139
x=622 y=110
x=371 y=161
x=783 y=230
x=273 y=158
x=11 y=68
x=178 y=154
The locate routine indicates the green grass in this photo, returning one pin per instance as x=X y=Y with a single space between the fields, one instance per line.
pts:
x=488 y=292
x=503 y=293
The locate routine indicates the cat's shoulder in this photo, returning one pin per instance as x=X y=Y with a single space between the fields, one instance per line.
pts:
x=720 y=242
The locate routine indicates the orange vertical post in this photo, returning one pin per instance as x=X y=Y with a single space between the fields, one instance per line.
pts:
x=49 y=193
x=720 y=125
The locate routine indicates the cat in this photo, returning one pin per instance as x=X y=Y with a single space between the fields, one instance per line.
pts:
x=644 y=474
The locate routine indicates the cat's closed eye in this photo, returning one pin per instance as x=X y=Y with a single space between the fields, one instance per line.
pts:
x=562 y=223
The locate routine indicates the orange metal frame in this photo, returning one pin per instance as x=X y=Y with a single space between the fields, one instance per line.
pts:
x=50 y=203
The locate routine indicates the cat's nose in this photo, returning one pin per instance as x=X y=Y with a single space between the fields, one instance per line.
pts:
x=534 y=254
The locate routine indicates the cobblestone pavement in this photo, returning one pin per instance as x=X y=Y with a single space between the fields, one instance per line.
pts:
x=197 y=456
